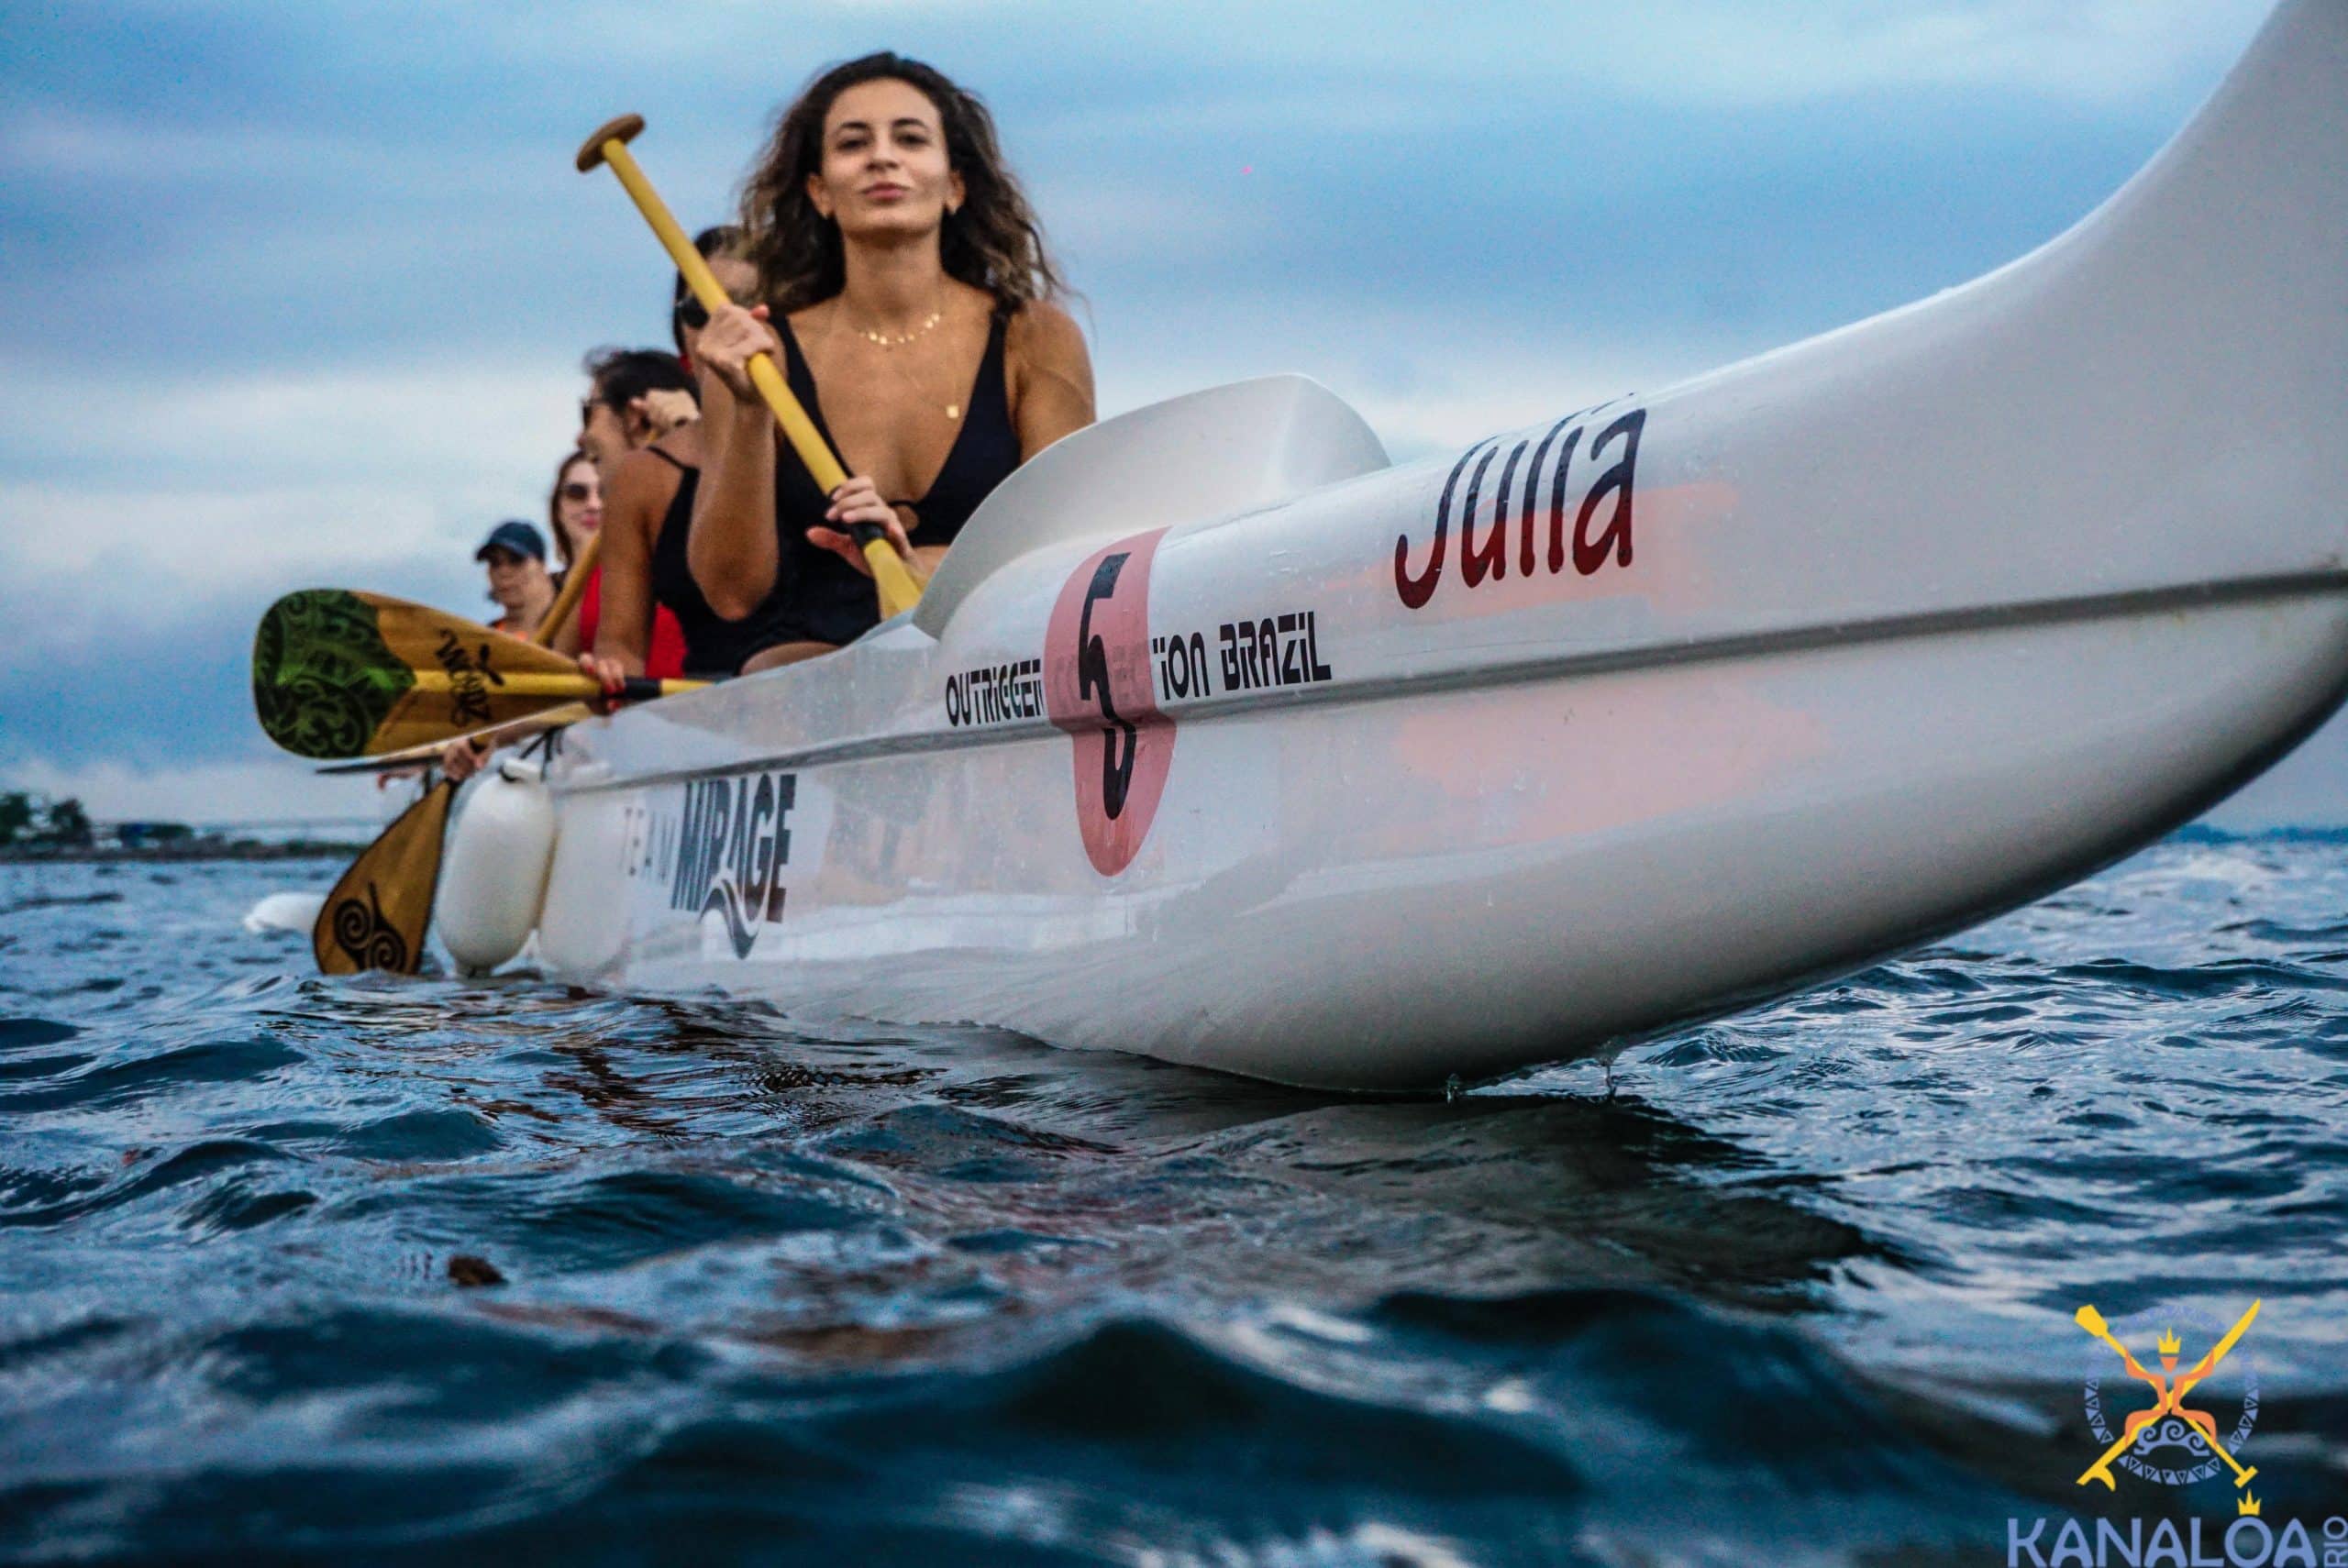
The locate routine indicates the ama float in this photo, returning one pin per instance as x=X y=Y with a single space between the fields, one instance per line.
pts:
x=1220 y=738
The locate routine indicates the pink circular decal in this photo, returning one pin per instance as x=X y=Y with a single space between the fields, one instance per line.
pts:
x=1098 y=686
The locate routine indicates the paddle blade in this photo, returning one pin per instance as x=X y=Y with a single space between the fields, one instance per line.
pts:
x=376 y=916
x=338 y=674
x=2092 y=1321
x=324 y=679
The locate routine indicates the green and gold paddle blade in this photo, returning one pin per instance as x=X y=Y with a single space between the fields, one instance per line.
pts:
x=339 y=674
x=376 y=916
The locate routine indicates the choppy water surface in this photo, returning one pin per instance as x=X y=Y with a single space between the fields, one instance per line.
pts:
x=1800 y=1289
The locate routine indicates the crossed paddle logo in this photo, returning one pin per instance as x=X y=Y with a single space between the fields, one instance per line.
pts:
x=2170 y=1388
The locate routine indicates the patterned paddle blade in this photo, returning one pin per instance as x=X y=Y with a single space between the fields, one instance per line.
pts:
x=338 y=674
x=324 y=679
x=376 y=916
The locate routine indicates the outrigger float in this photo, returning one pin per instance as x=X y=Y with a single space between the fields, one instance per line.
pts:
x=1219 y=738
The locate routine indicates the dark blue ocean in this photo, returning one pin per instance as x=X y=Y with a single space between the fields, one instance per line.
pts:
x=1794 y=1288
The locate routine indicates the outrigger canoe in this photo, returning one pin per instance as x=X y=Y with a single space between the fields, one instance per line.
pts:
x=1220 y=738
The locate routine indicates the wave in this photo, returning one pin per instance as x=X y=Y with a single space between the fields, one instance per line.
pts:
x=1426 y=1430
x=292 y=1269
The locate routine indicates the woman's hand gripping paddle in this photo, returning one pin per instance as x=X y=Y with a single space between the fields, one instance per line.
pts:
x=896 y=586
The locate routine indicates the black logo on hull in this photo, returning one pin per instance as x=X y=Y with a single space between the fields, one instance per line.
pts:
x=1486 y=561
x=1092 y=686
x=731 y=846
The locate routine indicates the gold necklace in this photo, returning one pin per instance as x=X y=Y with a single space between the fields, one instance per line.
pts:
x=889 y=340
x=894 y=339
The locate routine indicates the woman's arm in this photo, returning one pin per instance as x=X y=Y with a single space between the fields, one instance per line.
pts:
x=731 y=546
x=1051 y=376
x=642 y=488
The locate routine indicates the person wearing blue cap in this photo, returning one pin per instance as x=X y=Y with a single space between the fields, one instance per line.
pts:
x=515 y=554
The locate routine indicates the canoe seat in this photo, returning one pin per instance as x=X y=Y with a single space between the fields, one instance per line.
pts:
x=1205 y=455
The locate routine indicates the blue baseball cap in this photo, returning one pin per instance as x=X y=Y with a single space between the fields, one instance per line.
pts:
x=520 y=538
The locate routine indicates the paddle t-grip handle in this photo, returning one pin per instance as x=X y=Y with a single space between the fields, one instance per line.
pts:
x=623 y=129
x=608 y=146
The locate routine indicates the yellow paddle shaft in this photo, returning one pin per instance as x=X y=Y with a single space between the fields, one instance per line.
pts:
x=2210 y=1362
x=548 y=683
x=898 y=590
x=574 y=584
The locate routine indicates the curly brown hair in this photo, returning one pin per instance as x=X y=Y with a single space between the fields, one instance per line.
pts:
x=993 y=243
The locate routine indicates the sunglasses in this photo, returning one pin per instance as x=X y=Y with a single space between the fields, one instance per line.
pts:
x=692 y=315
x=576 y=491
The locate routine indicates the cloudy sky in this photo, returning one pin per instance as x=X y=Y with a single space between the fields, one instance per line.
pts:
x=296 y=295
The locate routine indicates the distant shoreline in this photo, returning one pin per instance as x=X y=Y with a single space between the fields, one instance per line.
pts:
x=179 y=853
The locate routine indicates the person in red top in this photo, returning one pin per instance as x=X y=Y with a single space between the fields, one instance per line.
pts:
x=650 y=492
x=639 y=397
x=575 y=512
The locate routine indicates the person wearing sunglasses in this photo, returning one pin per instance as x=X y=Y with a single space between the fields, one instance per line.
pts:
x=636 y=397
x=649 y=517
x=575 y=511
x=574 y=507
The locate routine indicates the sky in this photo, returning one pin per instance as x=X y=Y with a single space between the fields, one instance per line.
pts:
x=296 y=295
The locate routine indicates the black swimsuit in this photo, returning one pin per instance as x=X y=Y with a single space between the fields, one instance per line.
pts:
x=825 y=599
x=714 y=645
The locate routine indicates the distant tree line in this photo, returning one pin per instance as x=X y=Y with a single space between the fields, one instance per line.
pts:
x=30 y=819
x=34 y=826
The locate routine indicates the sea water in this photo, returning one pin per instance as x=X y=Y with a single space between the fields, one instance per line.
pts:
x=295 y=1269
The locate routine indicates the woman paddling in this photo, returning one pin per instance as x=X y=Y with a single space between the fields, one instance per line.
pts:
x=645 y=573
x=577 y=508
x=634 y=397
x=637 y=396
x=575 y=511
x=904 y=272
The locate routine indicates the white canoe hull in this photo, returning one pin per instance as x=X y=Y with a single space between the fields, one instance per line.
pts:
x=1702 y=697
